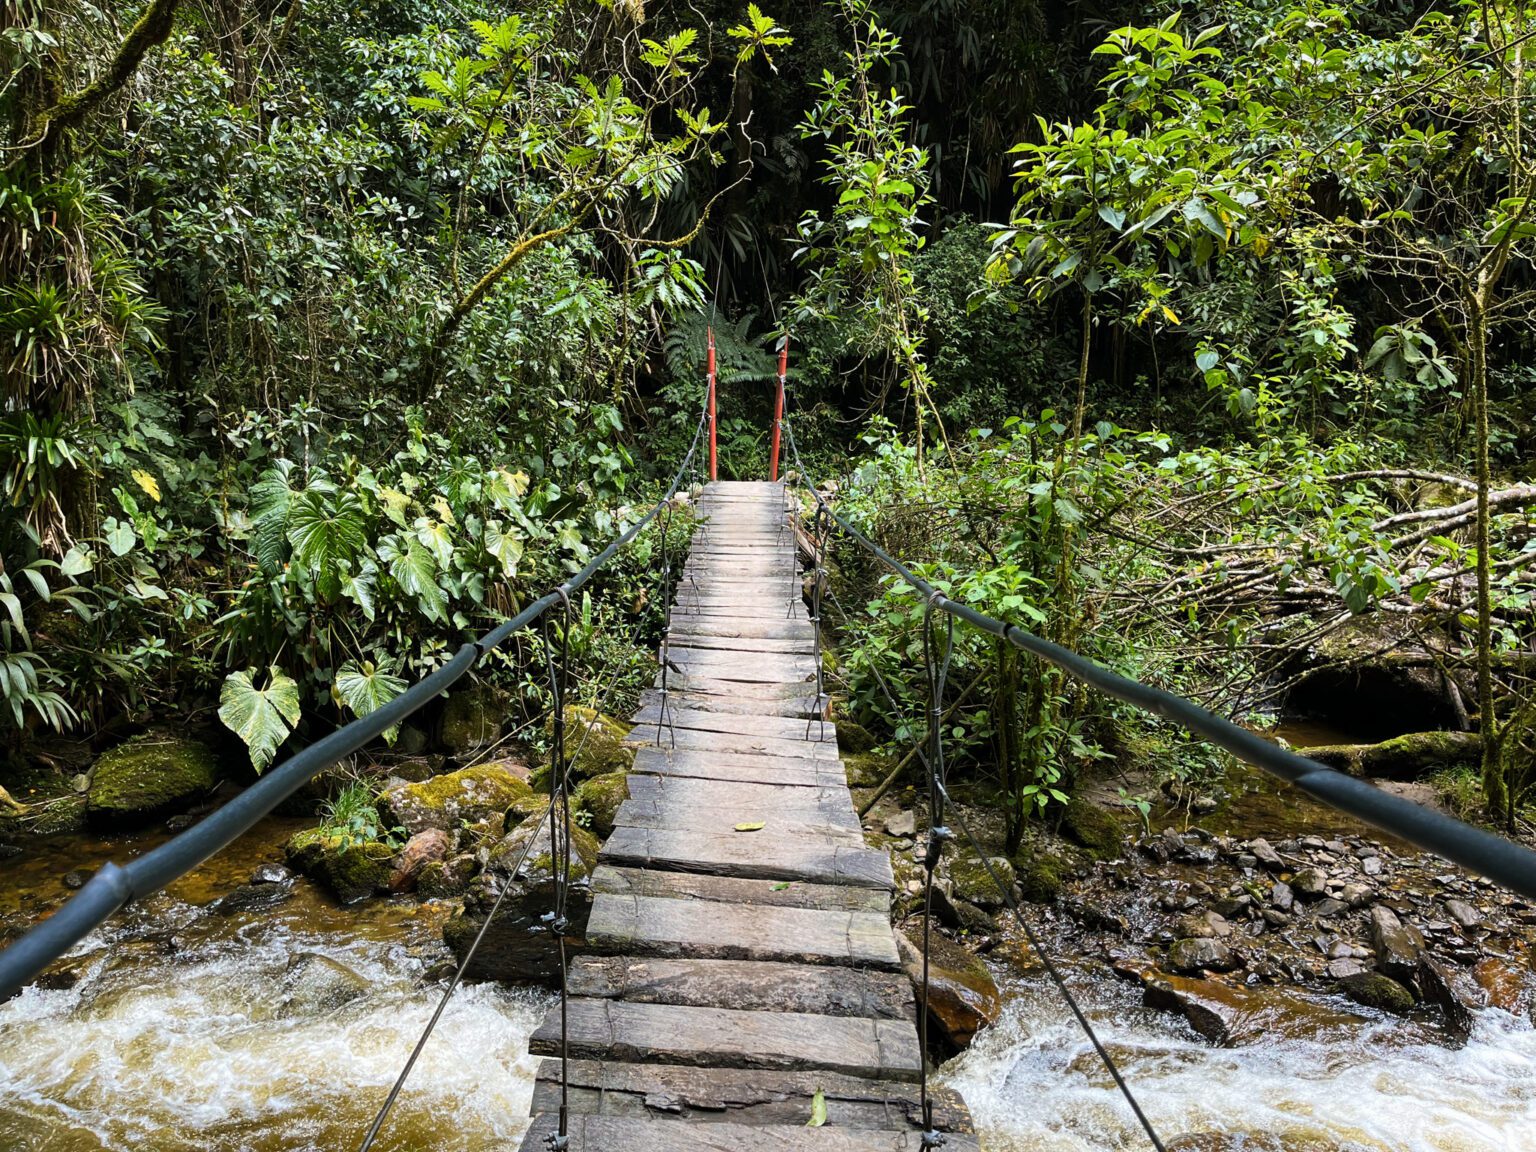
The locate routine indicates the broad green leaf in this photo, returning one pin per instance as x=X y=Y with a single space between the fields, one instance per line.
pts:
x=818 y=1110
x=271 y=496
x=262 y=717
x=505 y=547
x=416 y=572
x=326 y=534
x=119 y=536
x=365 y=687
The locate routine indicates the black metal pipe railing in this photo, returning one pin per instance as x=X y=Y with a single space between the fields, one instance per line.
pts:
x=113 y=886
x=1483 y=852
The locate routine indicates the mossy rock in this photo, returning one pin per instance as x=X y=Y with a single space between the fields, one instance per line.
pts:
x=538 y=867
x=600 y=741
x=600 y=797
x=147 y=777
x=63 y=814
x=1040 y=872
x=1095 y=828
x=973 y=883
x=350 y=872
x=866 y=769
x=854 y=738
x=452 y=801
x=1377 y=991
x=444 y=878
x=1411 y=756
x=472 y=719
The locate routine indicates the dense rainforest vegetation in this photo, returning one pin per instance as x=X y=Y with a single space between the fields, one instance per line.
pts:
x=1196 y=337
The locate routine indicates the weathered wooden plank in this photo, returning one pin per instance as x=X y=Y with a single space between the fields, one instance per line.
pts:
x=765 y=855
x=761 y=669
x=738 y=745
x=735 y=890
x=589 y=1133
x=731 y=1038
x=788 y=646
x=785 y=727
x=731 y=1095
x=804 y=771
x=725 y=798
x=803 y=822
x=802 y=707
x=750 y=985
x=704 y=930
x=782 y=628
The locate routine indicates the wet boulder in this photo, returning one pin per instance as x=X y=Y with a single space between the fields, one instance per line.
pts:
x=317 y=985
x=429 y=846
x=1377 y=991
x=1454 y=991
x=962 y=996
x=349 y=870
x=600 y=798
x=1397 y=946
x=148 y=777
x=1230 y=1015
x=1201 y=953
x=473 y=718
x=520 y=946
x=450 y=877
x=450 y=802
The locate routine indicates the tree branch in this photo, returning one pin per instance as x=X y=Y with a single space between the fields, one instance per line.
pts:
x=152 y=29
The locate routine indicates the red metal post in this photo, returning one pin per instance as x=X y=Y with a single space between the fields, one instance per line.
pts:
x=714 y=473
x=778 y=409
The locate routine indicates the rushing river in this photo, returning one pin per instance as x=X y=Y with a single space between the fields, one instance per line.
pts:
x=178 y=1035
x=1034 y=1084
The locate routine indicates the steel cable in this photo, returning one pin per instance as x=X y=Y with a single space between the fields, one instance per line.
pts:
x=113 y=885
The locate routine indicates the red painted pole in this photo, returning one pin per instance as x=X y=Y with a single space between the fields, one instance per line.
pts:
x=714 y=473
x=778 y=409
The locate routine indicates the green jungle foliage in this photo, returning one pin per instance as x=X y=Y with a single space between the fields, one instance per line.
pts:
x=1193 y=337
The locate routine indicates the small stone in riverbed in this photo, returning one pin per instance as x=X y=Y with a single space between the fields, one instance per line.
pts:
x=1265 y=854
x=901 y=824
x=1463 y=913
x=1309 y=882
x=271 y=874
x=1281 y=896
x=1331 y=907
x=1192 y=955
x=1397 y=947
x=1371 y=865
x=74 y=879
x=1344 y=966
x=1357 y=895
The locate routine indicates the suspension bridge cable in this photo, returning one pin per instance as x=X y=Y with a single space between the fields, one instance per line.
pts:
x=937 y=668
x=1482 y=852
x=601 y=701
x=113 y=885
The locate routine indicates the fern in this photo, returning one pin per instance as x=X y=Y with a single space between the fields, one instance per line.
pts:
x=739 y=359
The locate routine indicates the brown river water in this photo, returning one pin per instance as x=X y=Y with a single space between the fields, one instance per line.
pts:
x=177 y=1036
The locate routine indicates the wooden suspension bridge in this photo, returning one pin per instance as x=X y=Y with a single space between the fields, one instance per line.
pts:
x=741 y=978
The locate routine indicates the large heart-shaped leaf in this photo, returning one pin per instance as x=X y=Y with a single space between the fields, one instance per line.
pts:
x=365 y=687
x=262 y=717
x=326 y=535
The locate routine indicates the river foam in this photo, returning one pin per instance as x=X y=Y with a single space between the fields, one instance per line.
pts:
x=196 y=1049
x=1034 y=1084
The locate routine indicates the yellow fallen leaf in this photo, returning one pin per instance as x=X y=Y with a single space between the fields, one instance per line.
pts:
x=147 y=482
x=758 y=827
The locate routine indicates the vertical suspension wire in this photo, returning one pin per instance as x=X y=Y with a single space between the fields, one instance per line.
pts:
x=936 y=665
x=560 y=850
x=663 y=716
x=819 y=536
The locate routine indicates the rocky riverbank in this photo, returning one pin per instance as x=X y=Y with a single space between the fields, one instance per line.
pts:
x=1243 y=936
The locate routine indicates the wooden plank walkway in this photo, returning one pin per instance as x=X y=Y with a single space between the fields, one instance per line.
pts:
x=732 y=975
